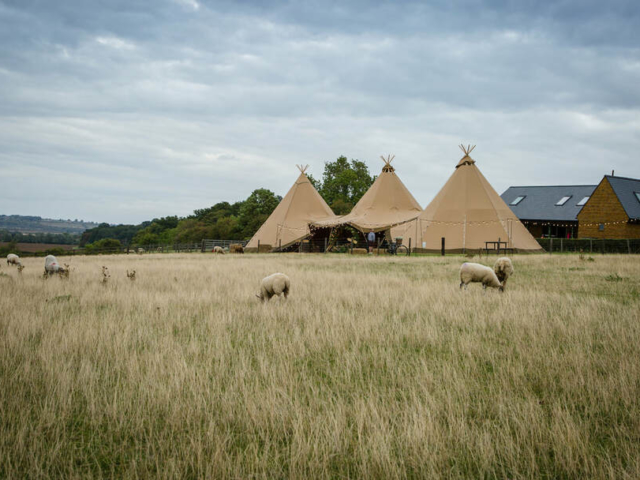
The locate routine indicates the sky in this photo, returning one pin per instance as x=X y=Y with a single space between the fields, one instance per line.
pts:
x=120 y=111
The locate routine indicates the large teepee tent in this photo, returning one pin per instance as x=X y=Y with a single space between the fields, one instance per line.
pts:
x=467 y=212
x=289 y=222
x=385 y=204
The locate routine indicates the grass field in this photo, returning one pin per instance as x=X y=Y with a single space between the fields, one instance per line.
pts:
x=374 y=368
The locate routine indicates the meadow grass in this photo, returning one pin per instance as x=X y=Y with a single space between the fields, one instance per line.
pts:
x=374 y=368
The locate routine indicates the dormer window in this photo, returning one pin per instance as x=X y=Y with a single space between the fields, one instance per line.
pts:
x=518 y=199
x=637 y=194
x=582 y=202
x=563 y=200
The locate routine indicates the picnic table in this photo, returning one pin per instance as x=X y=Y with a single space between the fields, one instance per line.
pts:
x=497 y=247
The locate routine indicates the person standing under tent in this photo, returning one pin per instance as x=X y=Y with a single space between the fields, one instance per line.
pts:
x=371 y=238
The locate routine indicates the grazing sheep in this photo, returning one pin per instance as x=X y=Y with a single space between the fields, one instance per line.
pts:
x=504 y=269
x=13 y=259
x=218 y=250
x=474 y=272
x=236 y=248
x=274 y=284
x=52 y=266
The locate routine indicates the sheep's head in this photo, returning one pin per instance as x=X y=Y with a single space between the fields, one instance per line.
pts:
x=131 y=276
x=20 y=268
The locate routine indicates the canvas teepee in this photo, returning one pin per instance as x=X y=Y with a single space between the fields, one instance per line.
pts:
x=289 y=222
x=467 y=212
x=385 y=204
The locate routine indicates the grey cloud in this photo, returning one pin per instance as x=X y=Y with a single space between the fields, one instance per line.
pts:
x=155 y=108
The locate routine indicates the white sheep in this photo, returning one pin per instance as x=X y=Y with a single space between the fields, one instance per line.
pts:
x=504 y=269
x=474 y=272
x=218 y=250
x=52 y=266
x=274 y=284
x=13 y=259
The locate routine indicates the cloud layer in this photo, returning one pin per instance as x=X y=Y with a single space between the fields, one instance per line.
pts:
x=122 y=111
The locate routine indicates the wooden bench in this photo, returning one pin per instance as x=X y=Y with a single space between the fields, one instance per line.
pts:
x=497 y=247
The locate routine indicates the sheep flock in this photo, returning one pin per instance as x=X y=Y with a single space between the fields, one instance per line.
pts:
x=279 y=284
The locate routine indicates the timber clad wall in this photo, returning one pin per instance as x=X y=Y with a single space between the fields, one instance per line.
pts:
x=604 y=207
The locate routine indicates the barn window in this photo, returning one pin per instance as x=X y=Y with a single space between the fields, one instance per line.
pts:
x=517 y=200
x=637 y=194
x=601 y=227
x=582 y=202
x=563 y=200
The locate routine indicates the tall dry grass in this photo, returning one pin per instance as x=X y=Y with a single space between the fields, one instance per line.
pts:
x=376 y=367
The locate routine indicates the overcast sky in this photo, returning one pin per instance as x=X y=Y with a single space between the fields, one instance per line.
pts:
x=124 y=110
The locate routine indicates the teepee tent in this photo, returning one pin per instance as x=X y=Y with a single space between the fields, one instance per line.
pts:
x=385 y=204
x=467 y=212
x=289 y=222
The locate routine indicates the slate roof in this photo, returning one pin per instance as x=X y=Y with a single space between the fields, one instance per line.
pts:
x=625 y=189
x=540 y=201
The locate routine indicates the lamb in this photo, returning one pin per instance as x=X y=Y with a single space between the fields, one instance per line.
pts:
x=13 y=259
x=218 y=250
x=474 y=272
x=504 y=269
x=52 y=266
x=274 y=284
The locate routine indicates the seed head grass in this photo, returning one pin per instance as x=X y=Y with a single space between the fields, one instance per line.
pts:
x=374 y=368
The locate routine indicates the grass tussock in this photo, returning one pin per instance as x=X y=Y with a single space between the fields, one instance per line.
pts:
x=374 y=368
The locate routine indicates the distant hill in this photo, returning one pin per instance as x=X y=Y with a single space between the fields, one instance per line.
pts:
x=29 y=224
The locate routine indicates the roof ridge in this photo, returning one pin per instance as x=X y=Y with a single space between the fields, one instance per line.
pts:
x=548 y=186
x=623 y=178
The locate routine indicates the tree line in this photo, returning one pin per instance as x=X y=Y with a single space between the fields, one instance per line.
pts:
x=343 y=183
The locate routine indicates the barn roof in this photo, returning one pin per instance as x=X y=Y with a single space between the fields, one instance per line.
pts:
x=628 y=192
x=541 y=202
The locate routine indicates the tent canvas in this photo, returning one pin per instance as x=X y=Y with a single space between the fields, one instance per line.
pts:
x=289 y=222
x=467 y=212
x=385 y=204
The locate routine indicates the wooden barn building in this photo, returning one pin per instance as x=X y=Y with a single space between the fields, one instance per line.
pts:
x=613 y=210
x=549 y=211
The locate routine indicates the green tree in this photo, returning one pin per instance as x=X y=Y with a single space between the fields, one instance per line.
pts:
x=344 y=183
x=103 y=244
x=255 y=210
x=226 y=228
x=220 y=210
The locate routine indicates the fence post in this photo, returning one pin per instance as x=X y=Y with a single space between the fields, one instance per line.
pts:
x=325 y=244
x=409 y=251
x=628 y=247
x=258 y=245
x=442 y=248
x=550 y=245
x=561 y=244
x=498 y=246
x=591 y=245
x=351 y=246
x=280 y=245
x=202 y=248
